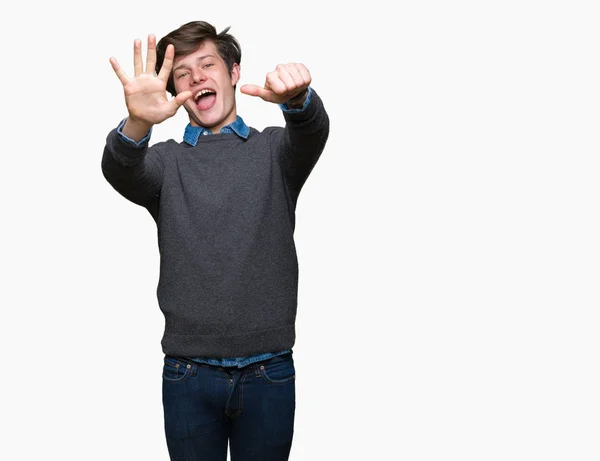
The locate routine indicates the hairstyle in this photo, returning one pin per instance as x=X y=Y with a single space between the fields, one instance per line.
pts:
x=189 y=37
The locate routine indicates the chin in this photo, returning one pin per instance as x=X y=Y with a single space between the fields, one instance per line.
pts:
x=209 y=123
x=211 y=118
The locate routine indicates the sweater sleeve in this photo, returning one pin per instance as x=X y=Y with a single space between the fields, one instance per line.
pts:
x=134 y=171
x=303 y=141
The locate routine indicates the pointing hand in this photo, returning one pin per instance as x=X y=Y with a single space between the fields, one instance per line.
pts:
x=281 y=85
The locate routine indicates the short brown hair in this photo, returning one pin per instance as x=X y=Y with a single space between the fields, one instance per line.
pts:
x=187 y=38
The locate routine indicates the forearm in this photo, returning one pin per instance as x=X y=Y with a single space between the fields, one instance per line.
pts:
x=307 y=130
x=305 y=135
x=131 y=169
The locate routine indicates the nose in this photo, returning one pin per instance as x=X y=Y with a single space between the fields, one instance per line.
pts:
x=197 y=76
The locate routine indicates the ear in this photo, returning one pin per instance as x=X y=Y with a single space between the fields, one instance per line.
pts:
x=235 y=74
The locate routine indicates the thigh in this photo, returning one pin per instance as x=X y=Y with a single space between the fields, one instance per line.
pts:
x=194 y=399
x=264 y=429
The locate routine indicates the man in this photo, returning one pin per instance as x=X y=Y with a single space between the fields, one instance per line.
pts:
x=224 y=203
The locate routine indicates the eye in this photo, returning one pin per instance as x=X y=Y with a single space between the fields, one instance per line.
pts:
x=207 y=65
x=181 y=75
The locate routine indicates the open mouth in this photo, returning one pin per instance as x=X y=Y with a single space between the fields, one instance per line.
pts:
x=205 y=98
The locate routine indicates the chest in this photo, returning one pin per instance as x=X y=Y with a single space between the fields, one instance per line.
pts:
x=230 y=180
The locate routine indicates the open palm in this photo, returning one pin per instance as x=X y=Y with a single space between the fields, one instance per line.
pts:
x=145 y=93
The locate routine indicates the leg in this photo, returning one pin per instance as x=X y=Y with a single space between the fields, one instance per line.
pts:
x=264 y=429
x=194 y=399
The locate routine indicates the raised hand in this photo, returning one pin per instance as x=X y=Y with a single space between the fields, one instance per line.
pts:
x=145 y=94
x=284 y=83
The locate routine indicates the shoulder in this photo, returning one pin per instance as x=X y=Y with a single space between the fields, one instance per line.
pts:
x=267 y=133
x=170 y=145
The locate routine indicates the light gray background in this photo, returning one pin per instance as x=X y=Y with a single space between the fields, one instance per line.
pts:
x=448 y=238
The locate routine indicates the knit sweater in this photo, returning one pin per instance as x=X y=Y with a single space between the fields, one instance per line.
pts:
x=225 y=216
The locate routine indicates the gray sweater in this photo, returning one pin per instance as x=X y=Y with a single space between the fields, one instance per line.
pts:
x=225 y=215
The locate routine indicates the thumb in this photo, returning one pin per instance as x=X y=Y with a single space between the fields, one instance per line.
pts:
x=255 y=90
x=182 y=97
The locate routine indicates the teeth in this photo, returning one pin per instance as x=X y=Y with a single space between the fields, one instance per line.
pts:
x=201 y=92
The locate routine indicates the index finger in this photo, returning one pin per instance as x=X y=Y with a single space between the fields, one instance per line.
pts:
x=167 y=65
x=120 y=73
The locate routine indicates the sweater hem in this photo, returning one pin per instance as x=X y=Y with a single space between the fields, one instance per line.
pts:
x=235 y=345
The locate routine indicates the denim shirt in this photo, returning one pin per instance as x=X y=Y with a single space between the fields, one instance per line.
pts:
x=190 y=136
x=192 y=133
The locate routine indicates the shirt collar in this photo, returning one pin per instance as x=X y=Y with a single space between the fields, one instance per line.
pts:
x=192 y=133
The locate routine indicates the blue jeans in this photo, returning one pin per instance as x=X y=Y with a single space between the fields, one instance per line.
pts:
x=252 y=407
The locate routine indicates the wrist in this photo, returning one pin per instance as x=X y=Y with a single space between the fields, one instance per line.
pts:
x=136 y=129
x=298 y=100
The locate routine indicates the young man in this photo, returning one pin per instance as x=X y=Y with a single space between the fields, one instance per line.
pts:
x=224 y=204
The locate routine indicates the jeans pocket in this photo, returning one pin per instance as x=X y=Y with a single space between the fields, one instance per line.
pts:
x=278 y=370
x=175 y=369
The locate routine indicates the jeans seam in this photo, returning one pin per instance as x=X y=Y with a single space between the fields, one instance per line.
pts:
x=263 y=373
x=185 y=374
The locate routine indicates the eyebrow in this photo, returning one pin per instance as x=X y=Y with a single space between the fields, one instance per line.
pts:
x=198 y=59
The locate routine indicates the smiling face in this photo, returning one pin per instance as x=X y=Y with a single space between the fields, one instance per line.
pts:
x=205 y=74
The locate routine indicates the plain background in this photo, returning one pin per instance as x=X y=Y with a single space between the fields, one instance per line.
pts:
x=448 y=238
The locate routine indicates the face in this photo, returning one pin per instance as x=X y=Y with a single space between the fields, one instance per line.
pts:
x=205 y=74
